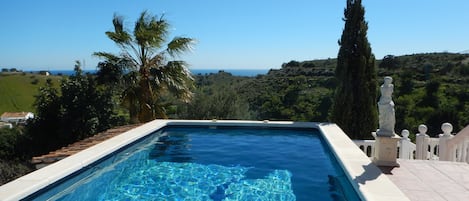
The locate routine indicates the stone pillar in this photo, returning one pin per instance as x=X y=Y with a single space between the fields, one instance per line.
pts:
x=445 y=152
x=421 y=142
x=386 y=150
x=405 y=151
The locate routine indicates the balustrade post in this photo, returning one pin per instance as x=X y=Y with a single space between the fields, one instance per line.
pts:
x=445 y=152
x=421 y=141
x=405 y=151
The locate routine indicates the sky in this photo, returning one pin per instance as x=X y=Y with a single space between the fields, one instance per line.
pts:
x=236 y=34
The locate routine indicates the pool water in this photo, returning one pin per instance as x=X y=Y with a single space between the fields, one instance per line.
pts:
x=202 y=163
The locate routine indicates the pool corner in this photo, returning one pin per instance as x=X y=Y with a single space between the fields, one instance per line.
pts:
x=365 y=176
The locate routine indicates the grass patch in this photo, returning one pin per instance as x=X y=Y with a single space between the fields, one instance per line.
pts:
x=17 y=90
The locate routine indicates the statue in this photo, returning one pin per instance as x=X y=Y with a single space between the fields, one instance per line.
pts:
x=387 y=118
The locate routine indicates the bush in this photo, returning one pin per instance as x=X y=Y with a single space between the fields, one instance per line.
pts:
x=9 y=143
x=35 y=81
x=10 y=170
x=464 y=70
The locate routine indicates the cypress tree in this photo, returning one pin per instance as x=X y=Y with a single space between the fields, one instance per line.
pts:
x=354 y=108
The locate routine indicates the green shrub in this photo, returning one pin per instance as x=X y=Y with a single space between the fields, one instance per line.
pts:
x=35 y=81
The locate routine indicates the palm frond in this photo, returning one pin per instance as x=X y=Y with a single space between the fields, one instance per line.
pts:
x=161 y=29
x=156 y=61
x=118 y=22
x=149 y=31
x=119 y=36
x=107 y=56
x=180 y=45
x=177 y=79
x=125 y=62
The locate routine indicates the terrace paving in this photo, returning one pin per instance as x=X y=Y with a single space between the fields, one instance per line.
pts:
x=54 y=156
x=431 y=180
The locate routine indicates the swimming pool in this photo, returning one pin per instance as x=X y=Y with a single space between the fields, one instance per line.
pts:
x=215 y=163
x=225 y=177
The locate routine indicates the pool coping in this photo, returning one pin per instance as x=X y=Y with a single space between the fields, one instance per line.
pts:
x=365 y=177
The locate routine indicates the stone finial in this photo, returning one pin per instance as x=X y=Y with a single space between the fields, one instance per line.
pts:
x=423 y=129
x=405 y=134
x=447 y=128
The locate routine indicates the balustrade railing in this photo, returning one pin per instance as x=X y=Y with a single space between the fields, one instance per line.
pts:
x=406 y=147
x=446 y=147
x=455 y=146
x=367 y=146
x=432 y=149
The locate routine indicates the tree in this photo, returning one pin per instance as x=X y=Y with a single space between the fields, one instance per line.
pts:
x=389 y=62
x=81 y=109
x=44 y=130
x=406 y=83
x=87 y=108
x=9 y=141
x=220 y=103
x=354 y=106
x=111 y=73
x=431 y=99
x=152 y=72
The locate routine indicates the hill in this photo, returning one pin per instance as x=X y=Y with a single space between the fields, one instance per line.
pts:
x=430 y=88
x=451 y=64
x=17 y=90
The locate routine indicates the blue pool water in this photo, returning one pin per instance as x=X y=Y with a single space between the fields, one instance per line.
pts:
x=201 y=163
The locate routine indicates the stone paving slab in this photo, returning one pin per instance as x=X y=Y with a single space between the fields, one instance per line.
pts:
x=427 y=180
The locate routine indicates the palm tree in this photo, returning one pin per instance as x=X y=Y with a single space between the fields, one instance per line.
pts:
x=151 y=72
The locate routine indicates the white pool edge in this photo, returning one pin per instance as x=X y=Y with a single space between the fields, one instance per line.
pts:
x=366 y=178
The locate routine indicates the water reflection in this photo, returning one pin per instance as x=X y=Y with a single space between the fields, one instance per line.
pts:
x=172 y=148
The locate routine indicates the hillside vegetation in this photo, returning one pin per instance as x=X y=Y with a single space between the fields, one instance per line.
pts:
x=429 y=89
x=17 y=90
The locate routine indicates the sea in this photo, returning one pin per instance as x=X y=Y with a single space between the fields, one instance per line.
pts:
x=235 y=72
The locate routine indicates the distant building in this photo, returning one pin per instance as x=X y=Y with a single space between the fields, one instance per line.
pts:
x=6 y=125
x=43 y=72
x=16 y=117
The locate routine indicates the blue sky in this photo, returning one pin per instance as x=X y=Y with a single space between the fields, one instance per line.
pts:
x=237 y=34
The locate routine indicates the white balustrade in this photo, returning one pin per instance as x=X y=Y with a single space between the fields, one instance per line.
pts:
x=433 y=149
x=426 y=147
x=367 y=146
x=421 y=140
x=447 y=147
x=406 y=147
x=454 y=147
x=446 y=151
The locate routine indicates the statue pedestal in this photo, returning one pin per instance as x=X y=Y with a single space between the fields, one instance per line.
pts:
x=386 y=150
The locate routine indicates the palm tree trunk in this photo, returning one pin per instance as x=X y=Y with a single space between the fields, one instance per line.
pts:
x=146 y=97
x=133 y=111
